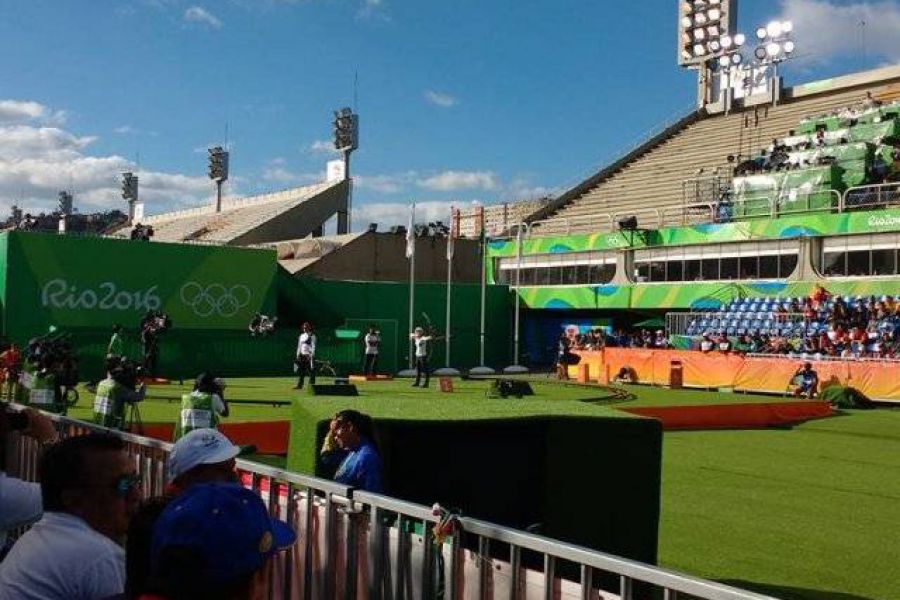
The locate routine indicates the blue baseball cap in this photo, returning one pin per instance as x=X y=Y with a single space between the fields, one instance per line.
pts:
x=224 y=528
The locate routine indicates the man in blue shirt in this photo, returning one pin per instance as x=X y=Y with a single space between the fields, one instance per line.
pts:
x=808 y=381
x=350 y=447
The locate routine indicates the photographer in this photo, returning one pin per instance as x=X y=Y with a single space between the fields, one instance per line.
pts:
x=203 y=407
x=47 y=374
x=153 y=325
x=115 y=393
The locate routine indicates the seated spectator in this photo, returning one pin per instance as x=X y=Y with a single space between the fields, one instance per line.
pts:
x=724 y=344
x=706 y=344
x=625 y=376
x=214 y=542
x=20 y=501
x=89 y=489
x=818 y=297
x=201 y=456
x=660 y=341
x=349 y=445
x=808 y=381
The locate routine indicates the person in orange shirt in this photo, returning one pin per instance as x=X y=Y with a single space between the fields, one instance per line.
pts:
x=10 y=364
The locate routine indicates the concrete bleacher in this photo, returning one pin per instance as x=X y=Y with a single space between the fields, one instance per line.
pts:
x=259 y=219
x=653 y=178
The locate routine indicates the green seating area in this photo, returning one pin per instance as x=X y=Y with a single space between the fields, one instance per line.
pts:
x=816 y=163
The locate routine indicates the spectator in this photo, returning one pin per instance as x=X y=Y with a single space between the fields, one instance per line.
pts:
x=563 y=356
x=20 y=501
x=706 y=345
x=214 y=542
x=625 y=376
x=660 y=341
x=89 y=489
x=349 y=445
x=724 y=344
x=201 y=456
x=137 y=548
x=818 y=297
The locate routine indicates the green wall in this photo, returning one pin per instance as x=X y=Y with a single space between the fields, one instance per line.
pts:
x=589 y=475
x=354 y=304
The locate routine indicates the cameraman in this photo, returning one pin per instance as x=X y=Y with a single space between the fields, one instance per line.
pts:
x=153 y=324
x=204 y=406
x=116 y=392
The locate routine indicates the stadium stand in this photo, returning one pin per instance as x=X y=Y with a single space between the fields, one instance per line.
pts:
x=690 y=159
x=854 y=327
x=289 y=214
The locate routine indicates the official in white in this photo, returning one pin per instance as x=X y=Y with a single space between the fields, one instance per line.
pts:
x=372 y=341
x=420 y=341
x=306 y=356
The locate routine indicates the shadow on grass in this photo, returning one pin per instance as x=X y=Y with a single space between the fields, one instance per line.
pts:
x=792 y=593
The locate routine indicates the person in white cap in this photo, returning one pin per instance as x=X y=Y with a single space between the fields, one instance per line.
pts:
x=201 y=456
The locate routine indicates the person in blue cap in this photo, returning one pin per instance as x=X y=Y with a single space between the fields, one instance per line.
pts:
x=214 y=541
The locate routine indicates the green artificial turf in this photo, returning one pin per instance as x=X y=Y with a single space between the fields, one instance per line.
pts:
x=809 y=512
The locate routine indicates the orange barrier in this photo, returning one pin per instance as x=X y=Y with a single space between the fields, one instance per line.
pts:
x=269 y=437
x=878 y=381
x=734 y=416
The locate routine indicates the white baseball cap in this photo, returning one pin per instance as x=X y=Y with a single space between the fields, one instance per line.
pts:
x=199 y=447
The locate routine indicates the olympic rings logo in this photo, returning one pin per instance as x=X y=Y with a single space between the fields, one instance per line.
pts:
x=215 y=299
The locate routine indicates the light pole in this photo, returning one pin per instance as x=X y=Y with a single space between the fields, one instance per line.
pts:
x=516 y=368
x=130 y=193
x=346 y=140
x=218 y=171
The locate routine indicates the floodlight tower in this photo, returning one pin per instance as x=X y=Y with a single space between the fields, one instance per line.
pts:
x=218 y=171
x=64 y=206
x=130 y=193
x=346 y=140
x=703 y=26
x=775 y=44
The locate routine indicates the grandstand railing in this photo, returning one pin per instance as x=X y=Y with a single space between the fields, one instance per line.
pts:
x=819 y=357
x=356 y=544
x=880 y=195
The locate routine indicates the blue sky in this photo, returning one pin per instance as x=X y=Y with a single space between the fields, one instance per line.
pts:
x=459 y=101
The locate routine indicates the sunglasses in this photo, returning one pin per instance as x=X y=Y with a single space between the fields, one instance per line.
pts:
x=126 y=483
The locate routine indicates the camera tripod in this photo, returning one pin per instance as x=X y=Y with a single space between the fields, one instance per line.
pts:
x=133 y=419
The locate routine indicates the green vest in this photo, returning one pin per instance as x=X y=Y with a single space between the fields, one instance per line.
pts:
x=197 y=411
x=42 y=392
x=109 y=405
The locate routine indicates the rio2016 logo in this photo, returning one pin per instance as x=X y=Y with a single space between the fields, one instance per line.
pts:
x=57 y=293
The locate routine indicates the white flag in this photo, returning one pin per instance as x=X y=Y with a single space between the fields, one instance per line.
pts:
x=411 y=233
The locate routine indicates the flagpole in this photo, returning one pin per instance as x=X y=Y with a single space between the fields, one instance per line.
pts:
x=482 y=369
x=449 y=371
x=516 y=367
x=411 y=255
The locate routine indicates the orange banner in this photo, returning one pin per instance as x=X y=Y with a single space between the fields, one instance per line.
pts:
x=878 y=381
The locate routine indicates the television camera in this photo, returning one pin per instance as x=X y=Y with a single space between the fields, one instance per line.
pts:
x=262 y=325
x=50 y=365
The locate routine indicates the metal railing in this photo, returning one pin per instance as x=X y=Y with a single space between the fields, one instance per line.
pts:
x=353 y=544
x=882 y=195
x=677 y=323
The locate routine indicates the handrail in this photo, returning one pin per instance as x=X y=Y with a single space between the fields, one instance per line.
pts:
x=333 y=529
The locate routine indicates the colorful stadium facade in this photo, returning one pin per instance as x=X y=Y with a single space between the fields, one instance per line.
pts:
x=805 y=237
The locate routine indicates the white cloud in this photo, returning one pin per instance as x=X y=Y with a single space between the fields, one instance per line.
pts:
x=824 y=29
x=372 y=8
x=384 y=184
x=196 y=14
x=38 y=161
x=450 y=181
x=387 y=214
x=25 y=111
x=322 y=147
x=125 y=130
x=440 y=99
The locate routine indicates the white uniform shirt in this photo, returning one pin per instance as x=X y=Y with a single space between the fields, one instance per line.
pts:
x=421 y=345
x=372 y=340
x=20 y=503
x=306 y=344
x=62 y=558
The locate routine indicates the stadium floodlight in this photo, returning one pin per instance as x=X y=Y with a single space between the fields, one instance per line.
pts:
x=346 y=130
x=788 y=47
x=218 y=164
x=724 y=61
x=727 y=41
x=787 y=27
x=773 y=49
x=739 y=39
x=736 y=59
x=129 y=187
x=760 y=53
x=704 y=23
x=774 y=29
x=761 y=33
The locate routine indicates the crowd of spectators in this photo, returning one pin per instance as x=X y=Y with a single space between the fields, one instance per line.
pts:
x=597 y=339
x=819 y=325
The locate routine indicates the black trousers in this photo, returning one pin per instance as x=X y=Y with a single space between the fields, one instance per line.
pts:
x=371 y=364
x=305 y=367
x=422 y=369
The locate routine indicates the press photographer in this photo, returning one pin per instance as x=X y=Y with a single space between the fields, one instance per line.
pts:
x=49 y=374
x=119 y=393
x=153 y=325
x=262 y=325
